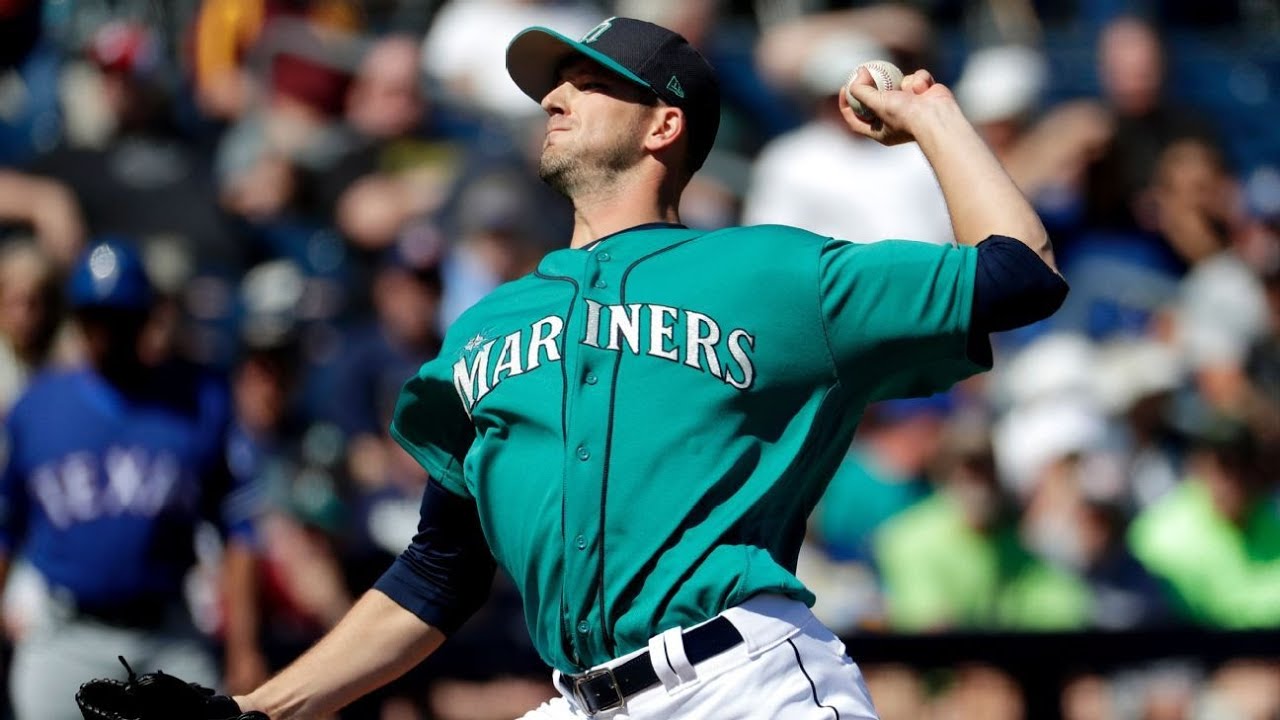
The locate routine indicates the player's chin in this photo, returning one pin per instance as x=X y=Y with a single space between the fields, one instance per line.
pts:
x=554 y=138
x=555 y=157
x=554 y=171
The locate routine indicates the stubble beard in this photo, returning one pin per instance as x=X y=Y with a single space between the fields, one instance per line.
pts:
x=573 y=172
x=561 y=171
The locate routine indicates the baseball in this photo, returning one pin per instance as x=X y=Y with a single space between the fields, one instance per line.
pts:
x=886 y=75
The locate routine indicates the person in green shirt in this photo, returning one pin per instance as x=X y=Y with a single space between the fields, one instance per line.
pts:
x=1215 y=538
x=956 y=560
x=637 y=431
x=880 y=476
x=883 y=473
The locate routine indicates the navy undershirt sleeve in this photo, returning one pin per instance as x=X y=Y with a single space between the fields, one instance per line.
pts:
x=1012 y=287
x=445 y=574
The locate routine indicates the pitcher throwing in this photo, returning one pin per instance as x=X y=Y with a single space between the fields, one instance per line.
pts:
x=637 y=431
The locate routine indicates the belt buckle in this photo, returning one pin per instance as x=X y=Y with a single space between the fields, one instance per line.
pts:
x=619 y=703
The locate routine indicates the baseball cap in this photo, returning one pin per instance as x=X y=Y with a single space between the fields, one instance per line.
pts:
x=648 y=55
x=1001 y=83
x=270 y=295
x=110 y=274
x=826 y=66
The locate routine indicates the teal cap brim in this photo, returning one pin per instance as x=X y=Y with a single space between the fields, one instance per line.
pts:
x=534 y=56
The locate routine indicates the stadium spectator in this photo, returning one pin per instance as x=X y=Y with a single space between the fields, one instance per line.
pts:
x=293 y=464
x=1242 y=688
x=227 y=31
x=30 y=63
x=982 y=691
x=1001 y=88
x=105 y=509
x=1136 y=381
x=145 y=180
x=46 y=208
x=884 y=473
x=956 y=560
x=1133 y=242
x=1076 y=519
x=824 y=177
x=502 y=221
x=32 y=332
x=1132 y=70
x=464 y=45
x=1221 y=308
x=294 y=126
x=404 y=161
x=376 y=356
x=1215 y=540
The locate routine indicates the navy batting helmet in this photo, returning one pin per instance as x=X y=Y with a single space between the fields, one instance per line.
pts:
x=110 y=274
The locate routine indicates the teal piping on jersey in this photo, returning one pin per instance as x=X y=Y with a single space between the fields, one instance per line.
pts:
x=643 y=226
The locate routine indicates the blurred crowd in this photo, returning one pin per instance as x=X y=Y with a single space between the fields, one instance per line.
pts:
x=319 y=187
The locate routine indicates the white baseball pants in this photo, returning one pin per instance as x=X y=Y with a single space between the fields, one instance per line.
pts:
x=789 y=666
x=59 y=652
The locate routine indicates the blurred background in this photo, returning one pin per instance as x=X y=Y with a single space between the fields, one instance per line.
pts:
x=319 y=187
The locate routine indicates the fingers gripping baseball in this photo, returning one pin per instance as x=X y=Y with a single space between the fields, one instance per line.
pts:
x=888 y=105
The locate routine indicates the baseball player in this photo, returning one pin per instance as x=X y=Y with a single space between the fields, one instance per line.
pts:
x=106 y=472
x=637 y=431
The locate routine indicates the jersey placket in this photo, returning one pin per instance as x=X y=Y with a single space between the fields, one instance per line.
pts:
x=588 y=426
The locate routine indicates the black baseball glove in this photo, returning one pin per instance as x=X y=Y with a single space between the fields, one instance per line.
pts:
x=156 y=696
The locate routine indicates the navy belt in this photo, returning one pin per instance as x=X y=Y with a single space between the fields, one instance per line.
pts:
x=608 y=688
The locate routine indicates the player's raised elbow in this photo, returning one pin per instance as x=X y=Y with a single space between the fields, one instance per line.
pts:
x=1014 y=285
x=1039 y=242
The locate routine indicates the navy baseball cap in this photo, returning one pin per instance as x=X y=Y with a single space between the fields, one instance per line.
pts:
x=648 y=55
x=110 y=274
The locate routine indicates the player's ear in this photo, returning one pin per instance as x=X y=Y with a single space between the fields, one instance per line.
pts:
x=667 y=128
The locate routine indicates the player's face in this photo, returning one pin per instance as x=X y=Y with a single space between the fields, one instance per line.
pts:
x=595 y=127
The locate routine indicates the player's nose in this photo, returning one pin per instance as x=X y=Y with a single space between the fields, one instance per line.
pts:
x=554 y=101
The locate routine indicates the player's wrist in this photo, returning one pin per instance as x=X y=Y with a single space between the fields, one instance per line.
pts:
x=939 y=127
x=247 y=705
x=933 y=121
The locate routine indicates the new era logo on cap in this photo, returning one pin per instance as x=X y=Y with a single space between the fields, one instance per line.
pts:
x=648 y=55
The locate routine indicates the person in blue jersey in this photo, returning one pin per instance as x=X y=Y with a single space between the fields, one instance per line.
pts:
x=108 y=470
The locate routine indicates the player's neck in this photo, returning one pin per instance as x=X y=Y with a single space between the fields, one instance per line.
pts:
x=608 y=210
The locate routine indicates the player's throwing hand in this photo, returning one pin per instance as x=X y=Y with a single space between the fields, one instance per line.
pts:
x=898 y=114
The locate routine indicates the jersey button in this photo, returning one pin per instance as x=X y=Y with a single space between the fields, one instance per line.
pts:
x=600 y=284
x=583 y=452
x=604 y=257
x=583 y=627
x=581 y=542
x=591 y=378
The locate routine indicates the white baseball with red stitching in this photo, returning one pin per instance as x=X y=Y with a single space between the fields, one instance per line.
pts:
x=886 y=76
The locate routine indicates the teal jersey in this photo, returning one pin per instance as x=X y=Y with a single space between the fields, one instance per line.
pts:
x=646 y=424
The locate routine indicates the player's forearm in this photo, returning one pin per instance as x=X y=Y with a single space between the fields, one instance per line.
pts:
x=376 y=642
x=981 y=197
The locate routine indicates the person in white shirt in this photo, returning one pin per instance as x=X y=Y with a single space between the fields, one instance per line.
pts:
x=824 y=177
